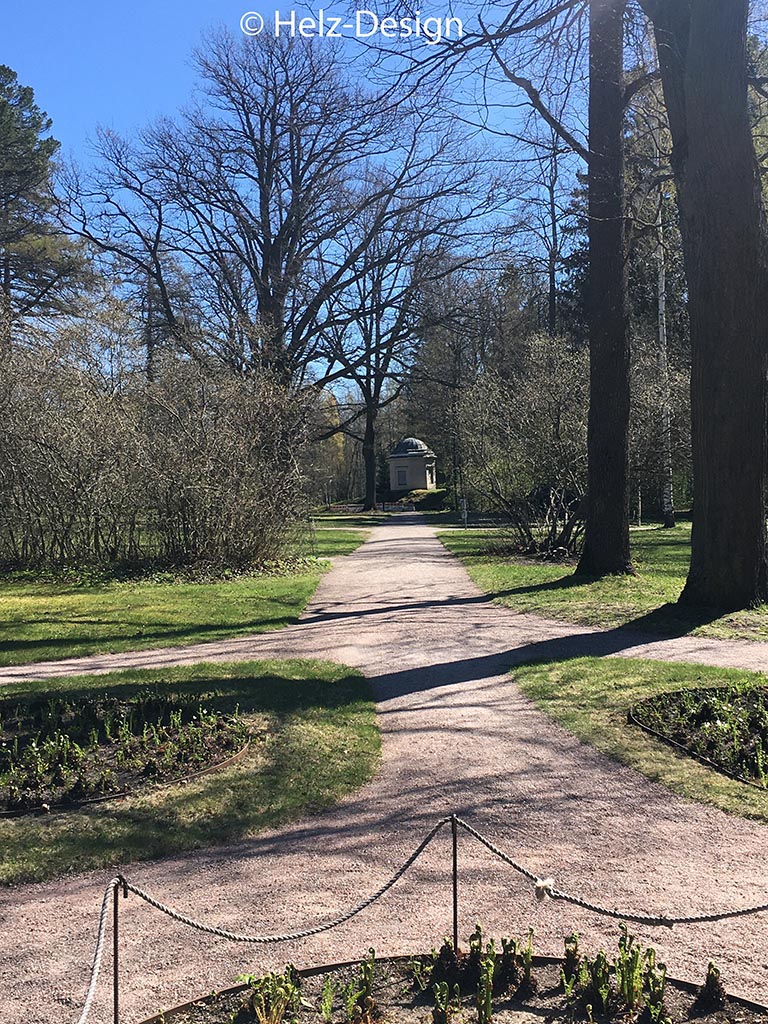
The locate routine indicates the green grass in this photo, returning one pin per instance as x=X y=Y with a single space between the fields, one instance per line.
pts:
x=351 y=520
x=645 y=601
x=590 y=697
x=68 y=614
x=322 y=743
x=47 y=620
x=327 y=540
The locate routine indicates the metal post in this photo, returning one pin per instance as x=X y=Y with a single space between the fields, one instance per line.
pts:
x=115 y=954
x=454 y=833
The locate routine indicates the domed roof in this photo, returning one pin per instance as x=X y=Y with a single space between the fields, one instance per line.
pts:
x=410 y=446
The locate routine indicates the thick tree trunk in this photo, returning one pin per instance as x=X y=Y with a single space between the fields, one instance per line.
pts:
x=606 y=540
x=369 y=460
x=702 y=51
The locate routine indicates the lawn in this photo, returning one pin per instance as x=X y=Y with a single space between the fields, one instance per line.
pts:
x=333 y=536
x=645 y=601
x=590 y=697
x=318 y=740
x=69 y=614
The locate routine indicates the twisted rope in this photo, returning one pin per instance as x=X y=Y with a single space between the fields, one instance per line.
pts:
x=99 y=951
x=287 y=936
x=499 y=853
x=546 y=887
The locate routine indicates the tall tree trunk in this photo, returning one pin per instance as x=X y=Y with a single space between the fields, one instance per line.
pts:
x=702 y=53
x=369 y=459
x=667 y=486
x=606 y=540
x=149 y=336
x=6 y=312
x=554 y=248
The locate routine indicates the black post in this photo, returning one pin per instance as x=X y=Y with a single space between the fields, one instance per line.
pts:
x=454 y=833
x=115 y=954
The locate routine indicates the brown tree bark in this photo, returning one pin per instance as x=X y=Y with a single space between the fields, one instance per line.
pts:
x=702 y=53
x=369 y=459
x=606 y=540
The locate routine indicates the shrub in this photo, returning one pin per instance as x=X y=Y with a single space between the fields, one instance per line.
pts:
x=198 y=466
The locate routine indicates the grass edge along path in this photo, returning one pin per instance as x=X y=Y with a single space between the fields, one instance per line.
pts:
x=590 y=698
x=646 y=602
x=49 y=620
x=317 y=740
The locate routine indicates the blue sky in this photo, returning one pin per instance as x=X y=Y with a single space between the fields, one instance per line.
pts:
x=120 y=65
x=99 y=62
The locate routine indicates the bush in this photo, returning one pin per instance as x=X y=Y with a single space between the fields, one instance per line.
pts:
x=196 y=467
x=524 y=447
x=428 y=501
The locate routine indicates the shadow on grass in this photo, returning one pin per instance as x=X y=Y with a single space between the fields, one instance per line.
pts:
x=672 y=620
x=321 y=742
x=78 y=646
x=252 y=692
x=563 y=583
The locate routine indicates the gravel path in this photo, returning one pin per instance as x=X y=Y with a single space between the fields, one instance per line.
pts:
x=458 y=736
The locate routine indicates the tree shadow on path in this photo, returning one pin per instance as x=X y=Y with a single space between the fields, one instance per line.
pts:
x=599 y=644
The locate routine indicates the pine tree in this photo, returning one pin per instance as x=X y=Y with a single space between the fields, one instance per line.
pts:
x=37 y=263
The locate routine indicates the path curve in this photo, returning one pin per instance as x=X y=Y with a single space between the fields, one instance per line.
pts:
x=457 y=736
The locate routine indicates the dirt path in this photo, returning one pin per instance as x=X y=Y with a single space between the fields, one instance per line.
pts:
x=458 y=736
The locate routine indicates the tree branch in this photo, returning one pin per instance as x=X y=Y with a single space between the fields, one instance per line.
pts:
x=535 y=99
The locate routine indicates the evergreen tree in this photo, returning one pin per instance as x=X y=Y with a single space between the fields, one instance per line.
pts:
x=37 y=262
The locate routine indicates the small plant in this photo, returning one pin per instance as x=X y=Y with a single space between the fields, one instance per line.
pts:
x=484 y=998
x=569 y=986
x=515 y=969
x=629 y=966
x=273 y=996
x=470 y=968
x=421 y=970
x=569 y=972
x=508 y=971
x=711 y=995
x=327 y=996
x=528 y=983
x=656 y=983
x=447 y=1002
x=446 y=964
x=359 y=1002
x=595 y=981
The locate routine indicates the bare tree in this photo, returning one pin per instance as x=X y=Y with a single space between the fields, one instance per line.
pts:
x=375 y=321
x=250 y=193
x=537 y=48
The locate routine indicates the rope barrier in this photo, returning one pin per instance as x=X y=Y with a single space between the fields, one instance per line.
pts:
x=99 y=950
x=546 y=888
x=288 y=936
x=543 y=888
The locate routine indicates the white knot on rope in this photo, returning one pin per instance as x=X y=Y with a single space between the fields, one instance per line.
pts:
x=544 y=887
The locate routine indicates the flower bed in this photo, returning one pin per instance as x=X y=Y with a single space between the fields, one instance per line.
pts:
x=724 y=726
x=486 y=985
x=66 y=751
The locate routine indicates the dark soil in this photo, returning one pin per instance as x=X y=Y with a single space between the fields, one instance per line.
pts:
x=61 y=752
x=727 y=726
x=398 y=1000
